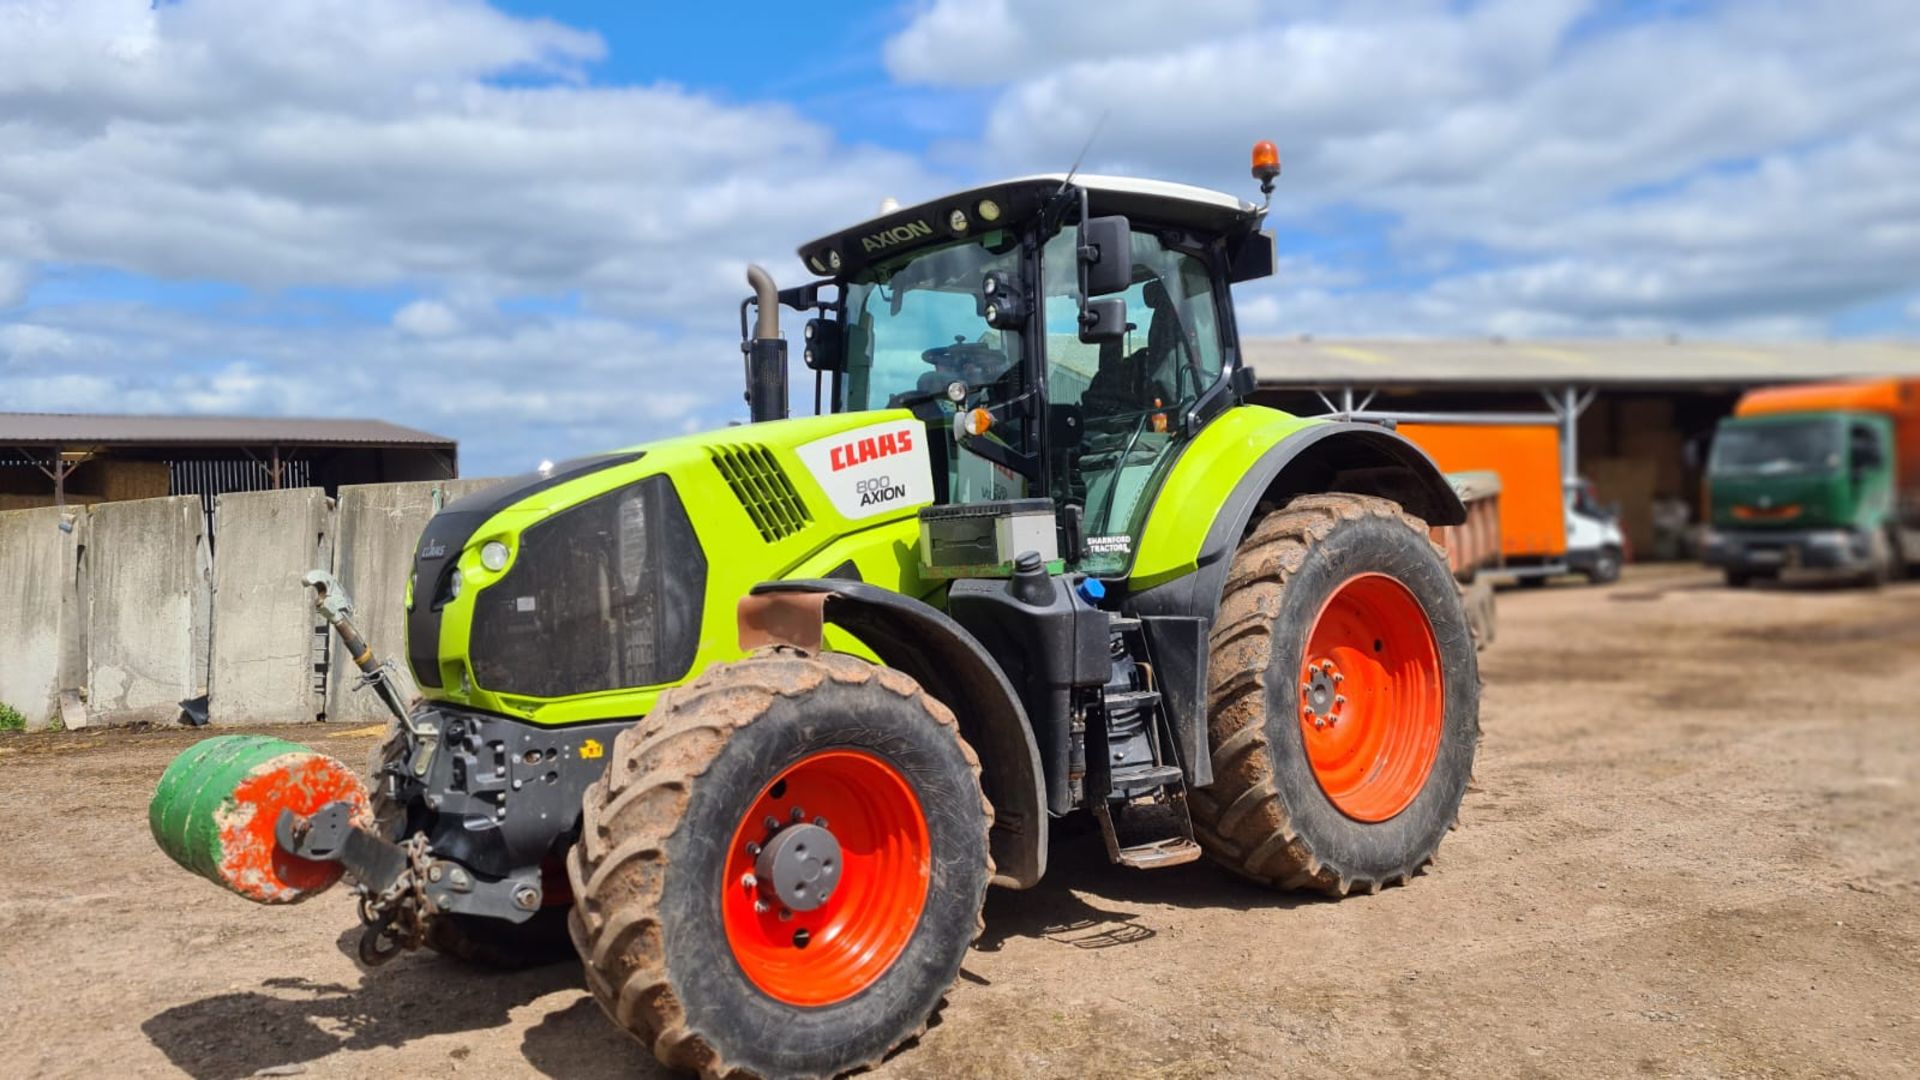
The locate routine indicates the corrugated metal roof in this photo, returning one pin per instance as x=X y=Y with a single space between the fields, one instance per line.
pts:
x=94 y=429
x=1387 y=362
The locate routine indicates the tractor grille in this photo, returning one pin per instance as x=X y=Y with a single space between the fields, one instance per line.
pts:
x=603 y=595
x=763 y=489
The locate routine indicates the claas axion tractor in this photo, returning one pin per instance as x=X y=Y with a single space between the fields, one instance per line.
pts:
x=751 y=719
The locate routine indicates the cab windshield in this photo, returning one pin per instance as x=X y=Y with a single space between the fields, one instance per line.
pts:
x=1796 y=446
x=914 y=326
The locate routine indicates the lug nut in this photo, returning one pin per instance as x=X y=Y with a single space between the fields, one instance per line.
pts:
x=785 y=915
x=753 y=848
x=820 y=821
x=1339 y=700
x=799 y=814
x=771 y=823
x=760 y=907
x=748 y=881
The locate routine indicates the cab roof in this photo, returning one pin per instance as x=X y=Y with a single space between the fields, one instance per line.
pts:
x=1159 y=201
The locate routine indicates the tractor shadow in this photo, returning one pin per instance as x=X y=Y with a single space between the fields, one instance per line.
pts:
x=289 y=1022
x=1087 y=902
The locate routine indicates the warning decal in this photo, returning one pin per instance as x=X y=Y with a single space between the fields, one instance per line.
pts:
x=874 y=469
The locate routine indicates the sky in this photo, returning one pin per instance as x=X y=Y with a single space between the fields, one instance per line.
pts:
x=525 y=224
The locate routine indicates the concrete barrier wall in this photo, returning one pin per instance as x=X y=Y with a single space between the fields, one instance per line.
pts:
x=377 y=527
x=40 y=611
x=149 y=602
x=266 y=636
x=136 y=610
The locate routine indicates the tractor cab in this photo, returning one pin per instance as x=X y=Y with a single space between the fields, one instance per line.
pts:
x=1060 y=336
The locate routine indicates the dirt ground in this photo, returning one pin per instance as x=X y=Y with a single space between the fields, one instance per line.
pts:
x=1692 y=849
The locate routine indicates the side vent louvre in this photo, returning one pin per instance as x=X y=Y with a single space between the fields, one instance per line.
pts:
x=763 y=490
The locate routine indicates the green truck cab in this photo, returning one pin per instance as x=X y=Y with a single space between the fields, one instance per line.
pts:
x=1819 y=477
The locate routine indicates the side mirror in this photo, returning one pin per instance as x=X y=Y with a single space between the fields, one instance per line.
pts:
x=1250 y=257
x=1103 y=321
x=1106 y=251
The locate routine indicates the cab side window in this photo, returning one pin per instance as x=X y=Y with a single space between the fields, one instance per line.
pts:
x=1863 y=448
x=1172 y=353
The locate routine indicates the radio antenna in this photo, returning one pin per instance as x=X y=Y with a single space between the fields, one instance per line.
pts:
x=1091 y=135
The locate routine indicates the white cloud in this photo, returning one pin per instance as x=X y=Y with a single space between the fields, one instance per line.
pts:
x=439 y=152
x=370 y=143
x=427 y=318
x=14 y=278
x=553 y=386
x=1747 y=166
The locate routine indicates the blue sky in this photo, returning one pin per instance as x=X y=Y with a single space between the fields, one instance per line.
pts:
x=523 y=224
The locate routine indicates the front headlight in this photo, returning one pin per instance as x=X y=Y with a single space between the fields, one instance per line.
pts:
x=493 y=555
x=453 y=584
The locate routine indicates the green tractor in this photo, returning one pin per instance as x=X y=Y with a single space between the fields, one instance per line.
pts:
x=755 y=717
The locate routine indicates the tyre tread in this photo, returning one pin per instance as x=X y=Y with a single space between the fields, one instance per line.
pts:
x=676 y=743
x=1243 y=823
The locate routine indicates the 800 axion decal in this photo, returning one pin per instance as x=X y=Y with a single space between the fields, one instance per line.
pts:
x=874 y=469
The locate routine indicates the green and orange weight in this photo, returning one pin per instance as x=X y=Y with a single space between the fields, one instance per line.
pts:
x=215 y=810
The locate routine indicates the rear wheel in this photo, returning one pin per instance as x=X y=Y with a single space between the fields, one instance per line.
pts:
x=1344 y=700
x=783 y=867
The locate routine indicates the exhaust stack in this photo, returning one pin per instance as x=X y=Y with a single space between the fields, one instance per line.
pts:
x=766 y=351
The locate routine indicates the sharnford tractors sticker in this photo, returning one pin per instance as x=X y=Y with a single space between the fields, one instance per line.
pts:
x=874 y=469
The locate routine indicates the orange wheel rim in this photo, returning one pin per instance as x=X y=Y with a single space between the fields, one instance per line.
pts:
x=881 y=860
x=1371 y=698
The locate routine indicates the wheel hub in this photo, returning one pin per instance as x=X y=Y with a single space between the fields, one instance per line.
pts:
x=1320 y=699
x=799 y=866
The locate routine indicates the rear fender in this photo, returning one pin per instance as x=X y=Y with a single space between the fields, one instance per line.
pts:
x=949 y=663
x=1310 y=458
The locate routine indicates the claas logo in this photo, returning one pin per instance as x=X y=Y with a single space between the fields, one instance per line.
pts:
x=861 y=451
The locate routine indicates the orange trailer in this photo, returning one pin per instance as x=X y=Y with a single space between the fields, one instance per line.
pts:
x=1533 y=515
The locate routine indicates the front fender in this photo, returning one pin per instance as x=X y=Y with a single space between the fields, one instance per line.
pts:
x=951 y=664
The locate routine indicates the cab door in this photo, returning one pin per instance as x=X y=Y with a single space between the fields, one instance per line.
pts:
x=1115 y=408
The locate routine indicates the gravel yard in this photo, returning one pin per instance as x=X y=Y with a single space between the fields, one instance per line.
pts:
x=1692 y=849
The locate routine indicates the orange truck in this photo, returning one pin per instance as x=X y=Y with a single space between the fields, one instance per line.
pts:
x=1545 y=529
x=1822 y=476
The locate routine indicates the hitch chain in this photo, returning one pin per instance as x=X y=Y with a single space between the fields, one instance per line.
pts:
x=398 y=917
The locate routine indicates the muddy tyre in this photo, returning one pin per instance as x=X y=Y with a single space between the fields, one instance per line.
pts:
x=470 y=939
x=1343 y=700
x=737 y=791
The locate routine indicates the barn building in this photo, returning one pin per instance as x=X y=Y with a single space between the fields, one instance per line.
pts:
x=1636 y=416
x=49 y=459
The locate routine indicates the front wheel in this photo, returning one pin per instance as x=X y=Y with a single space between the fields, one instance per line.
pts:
x=1606 y=566
x=782 y=868
x=1344 y=700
